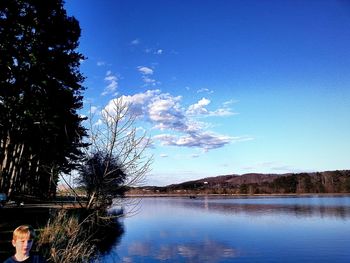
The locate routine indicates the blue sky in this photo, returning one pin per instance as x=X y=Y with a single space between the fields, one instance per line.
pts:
x=224 y=86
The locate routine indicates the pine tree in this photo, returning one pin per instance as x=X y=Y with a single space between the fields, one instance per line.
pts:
x=40 y=93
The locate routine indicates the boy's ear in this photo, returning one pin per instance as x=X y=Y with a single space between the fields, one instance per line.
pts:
x=14 y=243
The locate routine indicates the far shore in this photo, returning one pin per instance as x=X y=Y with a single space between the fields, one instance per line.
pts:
x=74 y=204
x=233 y=195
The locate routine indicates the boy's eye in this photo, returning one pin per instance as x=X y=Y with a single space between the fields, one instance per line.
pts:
x=26 y=240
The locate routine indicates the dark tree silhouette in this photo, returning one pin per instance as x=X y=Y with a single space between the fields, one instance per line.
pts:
x=40 y=93
x=102 y=177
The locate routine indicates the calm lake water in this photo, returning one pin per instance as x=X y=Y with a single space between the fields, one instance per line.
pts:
x=251 y=229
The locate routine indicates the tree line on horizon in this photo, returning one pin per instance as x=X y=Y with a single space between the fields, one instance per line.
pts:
x=302 y=183
x=298 y=183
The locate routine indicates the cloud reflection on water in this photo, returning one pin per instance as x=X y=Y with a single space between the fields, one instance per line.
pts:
x=207 y=251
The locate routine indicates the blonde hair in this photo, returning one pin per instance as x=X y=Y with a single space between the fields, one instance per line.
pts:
x=24 y=231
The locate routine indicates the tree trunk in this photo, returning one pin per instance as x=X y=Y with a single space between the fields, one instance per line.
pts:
x=4 y=173
x=15 y=168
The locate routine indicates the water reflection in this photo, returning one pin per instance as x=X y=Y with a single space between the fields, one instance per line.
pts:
x=236 y=230
x=206 y=251
x=261 y=208
x=109 y=236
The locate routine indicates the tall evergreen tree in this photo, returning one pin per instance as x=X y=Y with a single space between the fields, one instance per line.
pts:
x=40 y=93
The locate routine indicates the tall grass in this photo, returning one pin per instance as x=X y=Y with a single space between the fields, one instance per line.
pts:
x=74 y=236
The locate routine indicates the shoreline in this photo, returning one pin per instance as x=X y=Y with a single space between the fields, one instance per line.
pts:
x=236 y=195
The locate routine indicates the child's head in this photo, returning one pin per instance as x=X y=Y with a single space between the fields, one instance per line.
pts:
x=23 y=232
x=22 y=239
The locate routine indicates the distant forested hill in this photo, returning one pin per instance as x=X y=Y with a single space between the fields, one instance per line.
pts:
x=255 y=183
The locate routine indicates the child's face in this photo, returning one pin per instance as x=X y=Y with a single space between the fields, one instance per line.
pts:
x=23 y=245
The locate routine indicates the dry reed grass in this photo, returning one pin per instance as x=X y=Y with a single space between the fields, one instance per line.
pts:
x=67 y=238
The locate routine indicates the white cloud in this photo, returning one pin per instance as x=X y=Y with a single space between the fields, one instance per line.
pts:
x=199 y=107
x=222 y=112
x=205 y=90
x=154 y=51
x=165 y=111
x=138 y=103
x=194 y=125
x=148 y=80
x=204 y=140
x=166 y=114
x=161 y=109
x=135 y=42
x=145 y=70
x=112 y=84
x=228 y=103
x=163 y=155
x=225 y=110
x=101 y=63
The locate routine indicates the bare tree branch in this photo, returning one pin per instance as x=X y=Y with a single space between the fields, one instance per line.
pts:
x=116 y=157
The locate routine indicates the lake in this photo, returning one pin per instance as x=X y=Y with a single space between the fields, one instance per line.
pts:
x=241 y=229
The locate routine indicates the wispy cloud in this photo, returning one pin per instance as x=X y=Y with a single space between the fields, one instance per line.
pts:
x=203 y=140
x=112 y=84
x=135 y=42
x=100 y=63
x=222 y=112
x=275 y=167
x=199 y=109
x=159 y=52
x=149 y=81
x=145 y=70
x=229 y=102
x=166 y=114
x=205 y=90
